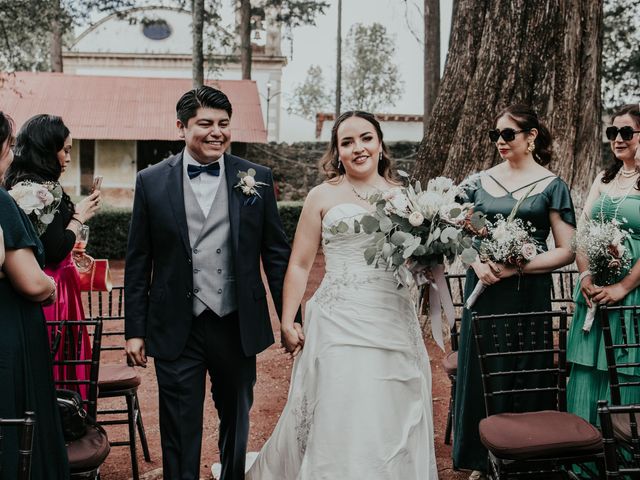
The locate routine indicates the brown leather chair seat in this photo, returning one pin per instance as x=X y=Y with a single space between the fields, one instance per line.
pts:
x=622 y=426
x=548 y=433
x=450 y=363
x=89 y=451
x=117 y=377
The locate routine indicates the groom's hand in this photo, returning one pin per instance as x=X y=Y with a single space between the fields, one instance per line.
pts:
x=135 y=352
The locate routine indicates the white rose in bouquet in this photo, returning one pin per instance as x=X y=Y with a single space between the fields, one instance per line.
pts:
x=397 y=202
x=416 y=219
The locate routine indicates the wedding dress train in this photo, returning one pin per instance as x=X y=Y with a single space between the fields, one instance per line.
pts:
x=359 y=404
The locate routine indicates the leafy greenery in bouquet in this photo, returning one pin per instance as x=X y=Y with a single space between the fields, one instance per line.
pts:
x=419 y=227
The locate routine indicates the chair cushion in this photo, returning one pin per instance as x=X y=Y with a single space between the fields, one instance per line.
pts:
x=622 y=426
x=450 y=363
x=544 y=434
x=117 y=377
x=89 y=451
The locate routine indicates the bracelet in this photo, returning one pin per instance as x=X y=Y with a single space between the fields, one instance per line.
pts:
x=53 y=292
x=74 y=219
x=583 y=275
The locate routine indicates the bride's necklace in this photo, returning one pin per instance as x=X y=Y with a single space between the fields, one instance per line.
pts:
x=364 y=198
x=627 y=173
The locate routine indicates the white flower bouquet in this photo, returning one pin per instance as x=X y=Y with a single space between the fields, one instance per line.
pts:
x=507 y=241
x=39 y=201
x=602 y=243
x=416 y=229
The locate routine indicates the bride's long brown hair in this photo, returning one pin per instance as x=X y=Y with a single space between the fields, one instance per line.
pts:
x=329 y=161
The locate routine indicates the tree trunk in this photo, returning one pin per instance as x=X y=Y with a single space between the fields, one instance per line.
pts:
x=431 y=57
x=545 y=54
x=56 y=39
x=339 y=62
x=197 y=26
x=245 y=38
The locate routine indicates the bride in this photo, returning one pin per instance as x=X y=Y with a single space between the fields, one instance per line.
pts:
x=359 y=404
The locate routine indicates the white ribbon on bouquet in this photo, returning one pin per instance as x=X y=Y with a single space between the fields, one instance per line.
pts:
x=439 y=296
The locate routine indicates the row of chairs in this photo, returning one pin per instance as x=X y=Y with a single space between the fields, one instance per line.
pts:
x=547 y=443
x=105 y=324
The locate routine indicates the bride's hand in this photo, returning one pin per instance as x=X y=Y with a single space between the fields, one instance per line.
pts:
x=292 y=339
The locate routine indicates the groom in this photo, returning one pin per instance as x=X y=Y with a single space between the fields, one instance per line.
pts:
x=194 y=298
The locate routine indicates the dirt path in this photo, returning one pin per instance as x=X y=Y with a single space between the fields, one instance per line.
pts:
x=274 y=371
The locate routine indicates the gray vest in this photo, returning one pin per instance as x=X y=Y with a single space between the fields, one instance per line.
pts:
x=214 y=284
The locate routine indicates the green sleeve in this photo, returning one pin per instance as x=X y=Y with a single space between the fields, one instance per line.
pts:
x=560 y=201
x=17 y=230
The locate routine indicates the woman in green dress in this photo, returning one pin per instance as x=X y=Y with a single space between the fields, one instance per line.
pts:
x=25 y=364
x=524 y=144
x=615 y=194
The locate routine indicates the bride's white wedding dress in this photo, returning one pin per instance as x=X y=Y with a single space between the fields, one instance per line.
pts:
x=359 y=403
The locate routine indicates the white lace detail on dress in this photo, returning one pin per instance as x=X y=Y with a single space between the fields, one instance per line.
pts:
x=303 y=423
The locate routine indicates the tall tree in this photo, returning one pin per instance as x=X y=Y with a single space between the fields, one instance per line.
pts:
x=245 y=38
x=546 y=54
x=197 y=27
x=56 y=36
x=431 y=56
x=339 y=62
x=310 y=97
x=372 y=79
x=621 y=54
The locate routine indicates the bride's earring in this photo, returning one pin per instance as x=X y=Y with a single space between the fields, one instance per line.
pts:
x=380 y=156
x=339 y=163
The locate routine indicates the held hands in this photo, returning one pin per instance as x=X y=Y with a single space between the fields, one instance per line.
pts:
x=292 y=339
x=88 y=207
x=135 y=352
x=500 y=270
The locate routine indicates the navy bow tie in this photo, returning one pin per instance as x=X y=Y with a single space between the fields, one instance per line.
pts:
x=212 y=169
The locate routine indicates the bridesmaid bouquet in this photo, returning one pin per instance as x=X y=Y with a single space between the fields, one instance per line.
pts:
x=602 y=243
x=507 y=241
x=39 y=201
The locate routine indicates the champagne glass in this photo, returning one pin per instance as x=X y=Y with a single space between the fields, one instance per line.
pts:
x=82 y=238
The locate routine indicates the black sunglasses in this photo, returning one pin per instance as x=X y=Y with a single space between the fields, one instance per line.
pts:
x=625 y=132
x=507 y=134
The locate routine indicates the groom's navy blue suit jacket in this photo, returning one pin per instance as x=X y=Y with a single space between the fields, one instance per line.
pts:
x=159 y=272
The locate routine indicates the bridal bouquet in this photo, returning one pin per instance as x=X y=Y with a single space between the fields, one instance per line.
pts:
x=601 y=242
x=416 y=229
x=39 y=201
x=507 y=241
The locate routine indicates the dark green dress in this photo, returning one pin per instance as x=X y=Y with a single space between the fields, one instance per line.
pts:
x=527 y=294
x=25 y=362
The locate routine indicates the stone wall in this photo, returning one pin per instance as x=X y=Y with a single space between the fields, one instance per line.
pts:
x=295 y=167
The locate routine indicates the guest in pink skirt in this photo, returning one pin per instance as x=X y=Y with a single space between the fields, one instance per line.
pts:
x=42 y=153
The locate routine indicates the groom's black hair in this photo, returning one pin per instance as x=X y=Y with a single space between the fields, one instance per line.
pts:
x=201 y=97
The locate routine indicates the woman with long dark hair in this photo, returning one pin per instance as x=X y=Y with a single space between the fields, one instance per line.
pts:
x=360 y=401
x=42 y=153
x=525 y=146
x=614 y=195
x=25 y=363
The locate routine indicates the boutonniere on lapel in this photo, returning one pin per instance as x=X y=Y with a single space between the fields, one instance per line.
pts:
x=249 y=186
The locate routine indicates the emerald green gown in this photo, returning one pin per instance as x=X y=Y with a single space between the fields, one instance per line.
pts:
x=26 y=374
x=589 y=381
x=529 y=293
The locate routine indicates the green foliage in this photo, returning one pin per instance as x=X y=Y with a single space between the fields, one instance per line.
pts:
x=289 y=214
x=110 y=228
x=372 y=80
x=310 y=97
x=621 y=55
x=108 y=233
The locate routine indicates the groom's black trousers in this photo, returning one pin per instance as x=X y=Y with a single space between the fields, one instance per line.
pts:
x=213 y=346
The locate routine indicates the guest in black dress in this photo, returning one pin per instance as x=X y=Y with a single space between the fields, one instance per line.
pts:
x=42 y=153
x=25 y=363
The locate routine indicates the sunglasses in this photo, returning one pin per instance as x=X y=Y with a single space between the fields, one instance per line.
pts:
x=507 y=134
x=625 y=132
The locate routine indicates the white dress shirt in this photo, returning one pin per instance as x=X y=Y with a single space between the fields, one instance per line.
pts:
x=205 y=186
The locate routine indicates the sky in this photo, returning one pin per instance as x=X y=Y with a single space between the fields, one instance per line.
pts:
x=317 y=44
